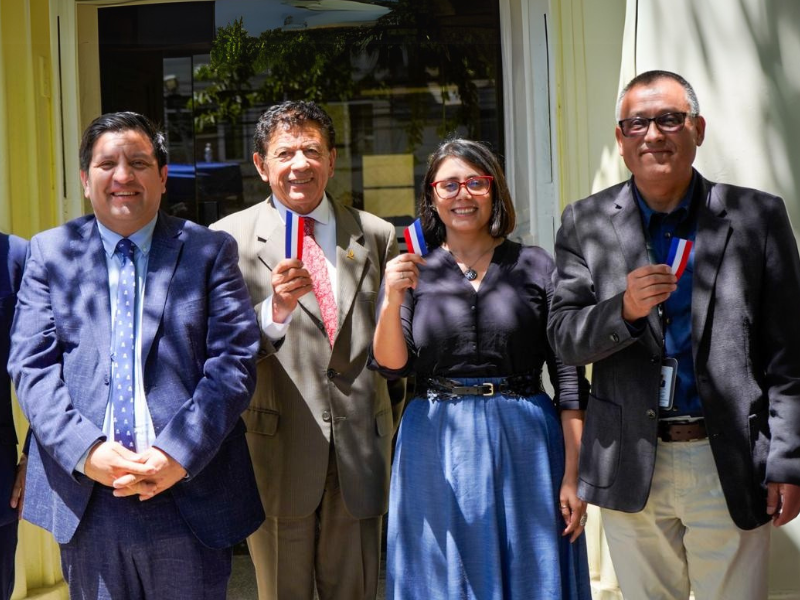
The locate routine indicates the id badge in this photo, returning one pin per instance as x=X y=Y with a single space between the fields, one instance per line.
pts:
x=666 y=391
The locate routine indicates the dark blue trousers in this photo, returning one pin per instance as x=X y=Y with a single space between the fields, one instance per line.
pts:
x=8 y=547
x=125 y=549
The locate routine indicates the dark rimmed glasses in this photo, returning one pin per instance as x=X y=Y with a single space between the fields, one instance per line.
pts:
x=671 y=122
x=476 y=186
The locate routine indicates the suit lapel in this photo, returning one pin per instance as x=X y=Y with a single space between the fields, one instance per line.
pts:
x=94 y=285
x=713 y=232
x=270 y=234
x=627 y=221
x=351 y=260
x=163 y=260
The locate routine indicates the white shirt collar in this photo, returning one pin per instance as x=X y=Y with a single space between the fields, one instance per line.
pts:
x=142 y=238
x=321 y=214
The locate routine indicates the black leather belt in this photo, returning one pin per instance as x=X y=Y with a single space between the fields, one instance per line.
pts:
x=682 y=431
x=518 y=385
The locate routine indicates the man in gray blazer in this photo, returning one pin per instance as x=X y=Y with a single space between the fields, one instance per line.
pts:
x=320 y=425
x=692 y=432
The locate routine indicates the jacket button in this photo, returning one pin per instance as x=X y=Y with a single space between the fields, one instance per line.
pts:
x=651 y=414
x=654 y=359
x=106 y=379
x=326 y=416
x=614 y=338
x=331 y=373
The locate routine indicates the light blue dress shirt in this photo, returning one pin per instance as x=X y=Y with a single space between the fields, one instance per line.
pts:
x=144 y=432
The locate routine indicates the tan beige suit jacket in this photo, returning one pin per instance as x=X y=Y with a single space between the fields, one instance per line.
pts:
x=308 y=393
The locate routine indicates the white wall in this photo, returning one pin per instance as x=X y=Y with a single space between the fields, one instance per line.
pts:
x=743 y=58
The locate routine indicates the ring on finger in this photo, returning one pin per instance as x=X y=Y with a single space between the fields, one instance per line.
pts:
x=584 y=518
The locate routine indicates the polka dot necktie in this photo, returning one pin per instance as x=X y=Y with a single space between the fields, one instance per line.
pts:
x=122 y=357
x=314 y=261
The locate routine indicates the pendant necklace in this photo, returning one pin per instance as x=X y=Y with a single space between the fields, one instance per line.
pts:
x=471 y=274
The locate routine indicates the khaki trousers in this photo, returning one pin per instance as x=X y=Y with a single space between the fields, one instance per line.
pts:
x=329 y=549
x=684 y=538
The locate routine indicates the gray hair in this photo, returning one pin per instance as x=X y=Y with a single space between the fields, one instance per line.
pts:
x=649 y=77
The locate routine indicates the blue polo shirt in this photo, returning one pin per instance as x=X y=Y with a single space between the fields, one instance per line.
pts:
x=677 y=315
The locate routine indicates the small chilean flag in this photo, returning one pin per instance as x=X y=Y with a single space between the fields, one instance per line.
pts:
x=415 y=241
x=294 y=235
x=679 y=251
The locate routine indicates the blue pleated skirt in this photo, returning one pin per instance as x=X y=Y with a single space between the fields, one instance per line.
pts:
x=473 y=511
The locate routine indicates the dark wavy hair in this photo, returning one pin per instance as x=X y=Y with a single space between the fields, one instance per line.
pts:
x=117 y=122
x=292 y=113
x=479 y=155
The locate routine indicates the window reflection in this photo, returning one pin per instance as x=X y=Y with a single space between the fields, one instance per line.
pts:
x=396 y=76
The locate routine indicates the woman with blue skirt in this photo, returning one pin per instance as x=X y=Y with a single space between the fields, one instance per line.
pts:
x=483 y=500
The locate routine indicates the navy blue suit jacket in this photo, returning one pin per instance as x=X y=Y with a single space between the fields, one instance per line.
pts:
x=12 y=261
x=199 y=341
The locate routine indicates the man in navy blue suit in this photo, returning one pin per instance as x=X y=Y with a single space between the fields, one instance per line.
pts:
x=12 y=474
x=133 y=355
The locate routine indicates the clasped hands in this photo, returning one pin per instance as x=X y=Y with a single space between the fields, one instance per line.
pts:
x=145 y=474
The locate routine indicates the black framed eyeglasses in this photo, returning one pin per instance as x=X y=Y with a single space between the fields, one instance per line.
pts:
x=476 y=186
x=671 y=122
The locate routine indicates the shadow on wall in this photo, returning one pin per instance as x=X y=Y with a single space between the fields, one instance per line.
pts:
x=777 y=42
x=748 y=54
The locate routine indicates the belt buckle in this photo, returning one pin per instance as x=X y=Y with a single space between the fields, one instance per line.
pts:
x=490 y=387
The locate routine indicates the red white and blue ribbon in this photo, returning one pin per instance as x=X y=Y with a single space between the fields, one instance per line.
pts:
x=294 y=235
x=678 y=258
x=415 y=241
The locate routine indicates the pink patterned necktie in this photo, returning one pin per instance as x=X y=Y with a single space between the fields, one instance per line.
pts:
x=314 y=261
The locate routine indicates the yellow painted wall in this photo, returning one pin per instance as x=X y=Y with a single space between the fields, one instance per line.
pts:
x=28 y=204
x=27 y=190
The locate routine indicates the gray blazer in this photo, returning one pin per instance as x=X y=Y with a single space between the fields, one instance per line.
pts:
x=745 y=344
x=308 y=393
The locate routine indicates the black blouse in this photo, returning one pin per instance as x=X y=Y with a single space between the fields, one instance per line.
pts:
x=451 y=330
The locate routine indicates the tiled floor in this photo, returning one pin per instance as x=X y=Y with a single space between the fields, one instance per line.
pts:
x=242 y=585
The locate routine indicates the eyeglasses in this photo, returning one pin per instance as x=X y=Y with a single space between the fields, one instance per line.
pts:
x=667 y=123
x=476 y=186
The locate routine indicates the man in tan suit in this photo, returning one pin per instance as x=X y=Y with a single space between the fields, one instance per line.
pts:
x=320 y=425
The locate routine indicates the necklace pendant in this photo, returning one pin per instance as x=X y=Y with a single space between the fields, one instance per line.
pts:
x=471 y=274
